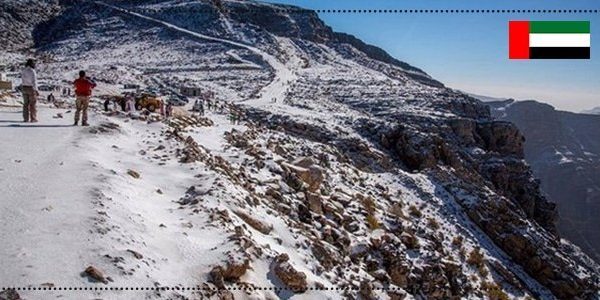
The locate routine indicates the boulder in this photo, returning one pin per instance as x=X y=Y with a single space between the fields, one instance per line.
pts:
x=133 y=174
x=9 y=294
x=292 y=278
x=232 y=272
x=312 y=175
x=304 y=162
x=257 y=224
x=315 y=203
x=328 y=258
x=95 y=274
x=409 y=240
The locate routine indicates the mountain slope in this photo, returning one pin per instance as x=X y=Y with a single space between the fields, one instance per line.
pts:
x=593 y=111
x=347 y=172
x=18 y=18
x=563 y=149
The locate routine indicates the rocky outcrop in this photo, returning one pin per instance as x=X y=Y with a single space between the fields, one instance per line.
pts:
x=233 y=270
x=563 y=151
x=501 y=137
x=485 y=153
x=292 y=278
x=548 y=264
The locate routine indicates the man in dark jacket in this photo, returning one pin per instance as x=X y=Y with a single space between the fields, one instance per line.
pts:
x=83 y=92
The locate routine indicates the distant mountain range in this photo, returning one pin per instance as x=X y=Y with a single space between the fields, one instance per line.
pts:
x=593 y=111
x=563 y=148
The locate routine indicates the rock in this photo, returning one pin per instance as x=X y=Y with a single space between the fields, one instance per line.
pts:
x=95 y=274
x=232 y=272
x=133 y=174
x=397 y=268
x=409 y=240
x=304 y=162
x=259 y=225
x=315 y=203
x=327 y=258
x=294 y=182
x=9 y=294
x=366 y=290
x=502 y=137
x=216 y=277
x=235 y=268
x=313 y=175
x=288 y=275
x=135 y=254
x=397 y=295
x=304 y=214
x=359 y=251
x=275 y=194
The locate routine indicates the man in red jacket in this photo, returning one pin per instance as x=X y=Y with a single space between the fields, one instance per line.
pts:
x=83 y=91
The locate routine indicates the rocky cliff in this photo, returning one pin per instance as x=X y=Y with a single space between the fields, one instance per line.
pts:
x=564 y=153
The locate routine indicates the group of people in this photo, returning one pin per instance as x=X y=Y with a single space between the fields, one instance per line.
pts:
x=235 y=115
x=83 y=91
x=126 y=103
x=83 y=87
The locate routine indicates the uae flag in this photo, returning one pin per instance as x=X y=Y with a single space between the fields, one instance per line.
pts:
x=549 y=39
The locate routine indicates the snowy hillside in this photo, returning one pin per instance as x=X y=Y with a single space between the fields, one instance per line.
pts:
x=351 y=174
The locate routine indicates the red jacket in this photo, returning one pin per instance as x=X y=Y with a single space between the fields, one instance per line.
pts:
x=83 y=87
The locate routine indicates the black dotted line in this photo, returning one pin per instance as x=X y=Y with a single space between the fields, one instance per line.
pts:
x=197 y=288
x=412 y=11
x=452 y=11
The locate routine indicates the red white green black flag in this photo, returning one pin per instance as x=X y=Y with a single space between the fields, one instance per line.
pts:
x=549 y=39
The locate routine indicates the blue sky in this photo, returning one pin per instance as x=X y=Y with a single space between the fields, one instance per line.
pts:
x=469 y=51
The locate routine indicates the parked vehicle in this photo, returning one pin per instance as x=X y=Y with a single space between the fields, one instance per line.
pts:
x=147 y=101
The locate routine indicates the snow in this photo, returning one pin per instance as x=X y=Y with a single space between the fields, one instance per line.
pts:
x=68 y=202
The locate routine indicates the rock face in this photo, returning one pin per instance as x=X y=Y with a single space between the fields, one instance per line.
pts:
x=288 y=275
x=501 y=168
x=502 y=164
x=563 y=150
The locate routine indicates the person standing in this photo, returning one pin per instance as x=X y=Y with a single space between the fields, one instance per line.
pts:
x=130 y=103
x=83 y=92
x=30 y=91
x=106 y=104
x=169 y=110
